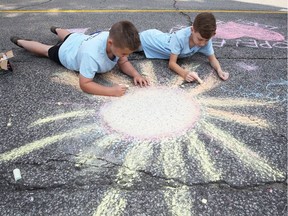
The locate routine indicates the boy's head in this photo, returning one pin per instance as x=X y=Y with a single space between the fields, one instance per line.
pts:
x=124 y=36
x=205 y=25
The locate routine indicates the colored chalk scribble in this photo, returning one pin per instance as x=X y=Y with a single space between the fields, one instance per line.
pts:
x=178 y=159
x=233 y=30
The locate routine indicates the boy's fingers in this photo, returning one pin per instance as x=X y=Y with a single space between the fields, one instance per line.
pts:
x=224 y=76
x=145 y=82
x=135 y=82
x=190 y=77
x=195 y=76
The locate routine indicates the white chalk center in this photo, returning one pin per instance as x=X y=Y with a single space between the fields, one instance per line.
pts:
x=151 y=112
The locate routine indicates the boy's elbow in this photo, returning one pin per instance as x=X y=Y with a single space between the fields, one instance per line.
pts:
x=83 y=87
x=170 y=65
x=84 y=84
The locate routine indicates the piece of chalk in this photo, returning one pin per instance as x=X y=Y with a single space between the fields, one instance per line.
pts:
x=200 y=81
x=127 y=86
x=204 y=201
x=17 y=174
x=195 y=76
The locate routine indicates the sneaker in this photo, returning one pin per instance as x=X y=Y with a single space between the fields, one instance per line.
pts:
x=14 y=39
x=53 y=29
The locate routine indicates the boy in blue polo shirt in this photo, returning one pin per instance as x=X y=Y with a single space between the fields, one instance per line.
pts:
x=91 y=54
x=183 y=43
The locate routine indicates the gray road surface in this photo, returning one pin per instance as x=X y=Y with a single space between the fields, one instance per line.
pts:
x=88 y=155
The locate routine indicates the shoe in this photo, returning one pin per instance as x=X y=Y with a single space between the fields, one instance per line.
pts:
x=14 y=39
x=53 y=29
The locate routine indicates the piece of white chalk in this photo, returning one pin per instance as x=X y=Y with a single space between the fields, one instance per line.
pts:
x=127 y=86
x=200 y=81
x=17 y=174
x=204 y=201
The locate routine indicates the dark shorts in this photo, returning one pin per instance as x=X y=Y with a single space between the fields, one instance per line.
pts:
x=53 y=52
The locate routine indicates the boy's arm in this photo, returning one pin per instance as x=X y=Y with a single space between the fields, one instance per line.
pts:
x=188 y=76
x=216 y=65
x=127 y=68
x=89 y=86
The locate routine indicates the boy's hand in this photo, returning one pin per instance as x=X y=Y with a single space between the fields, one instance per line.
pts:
x=191 y=76
x=141 y=81
x=119 y=90
x=223 y=75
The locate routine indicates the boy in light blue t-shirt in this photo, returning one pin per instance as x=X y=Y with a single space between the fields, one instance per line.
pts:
x=183 y=43
x=91 y=54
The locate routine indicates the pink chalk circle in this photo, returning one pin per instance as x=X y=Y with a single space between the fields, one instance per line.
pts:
x=232 y=30
x=151 y=112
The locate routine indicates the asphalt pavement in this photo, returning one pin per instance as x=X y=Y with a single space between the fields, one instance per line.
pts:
x=174 y=148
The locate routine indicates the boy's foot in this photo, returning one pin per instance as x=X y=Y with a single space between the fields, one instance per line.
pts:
x=14 y=39
x=53 y=29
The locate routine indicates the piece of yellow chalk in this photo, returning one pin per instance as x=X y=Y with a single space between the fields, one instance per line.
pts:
x=127 y=86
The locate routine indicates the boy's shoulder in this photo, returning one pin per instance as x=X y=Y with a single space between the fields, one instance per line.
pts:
x=98 y=35
x=177 y=28
x=184 y=32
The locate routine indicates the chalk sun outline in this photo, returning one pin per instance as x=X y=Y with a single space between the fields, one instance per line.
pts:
x=171 y=155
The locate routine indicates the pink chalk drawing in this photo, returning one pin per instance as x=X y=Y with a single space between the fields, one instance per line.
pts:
x=247 y=67
x=232 y=30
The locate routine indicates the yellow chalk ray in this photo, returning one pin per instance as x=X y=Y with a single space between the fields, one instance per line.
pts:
x=88 y=157
x=228 y=102
x=74 y=114
x=67 y=78
x=147 y=70
x=209 y=83
x=234 y=117
x=116 y=78
x=171 y=155
x=72 y=79
x=113 y=204
x=197 y=150
x=136 y=159
x=176 y=81
x=179 y=201
x=38 y=144
x=108 y=141
x=247 y=156
x=190 y=67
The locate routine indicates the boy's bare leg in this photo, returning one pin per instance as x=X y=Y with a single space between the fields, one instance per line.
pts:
x=62 y=33
x=34 y=47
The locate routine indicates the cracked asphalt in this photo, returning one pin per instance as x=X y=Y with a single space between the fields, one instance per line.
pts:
x=233 y=161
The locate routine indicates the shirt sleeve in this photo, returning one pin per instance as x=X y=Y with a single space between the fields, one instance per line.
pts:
x=175 y=45
x=87 y=66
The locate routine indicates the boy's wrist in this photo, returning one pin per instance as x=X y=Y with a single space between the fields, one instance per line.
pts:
x=184 y=75
x=137 y=75
x=219 y=71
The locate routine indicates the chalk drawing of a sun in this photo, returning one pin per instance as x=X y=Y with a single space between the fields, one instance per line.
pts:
x=162 y=131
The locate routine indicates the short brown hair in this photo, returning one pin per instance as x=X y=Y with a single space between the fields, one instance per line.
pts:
x=205 y=24
x=125 y=35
